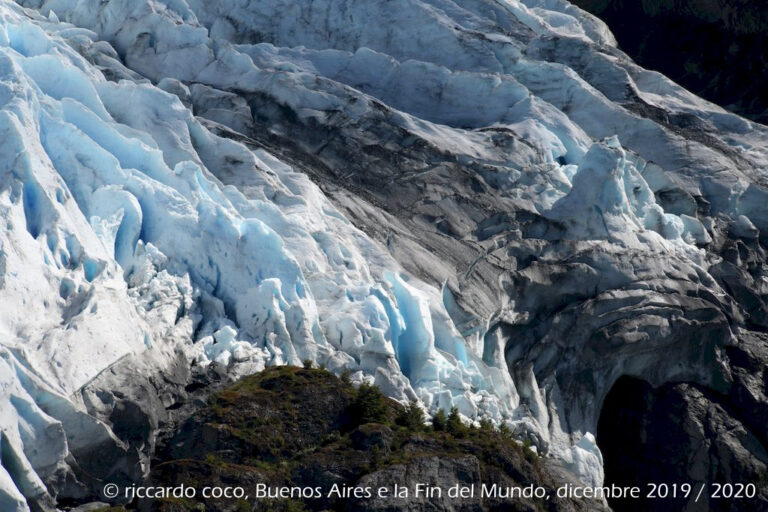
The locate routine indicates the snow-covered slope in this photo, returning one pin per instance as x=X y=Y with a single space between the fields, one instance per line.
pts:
x=504 y=214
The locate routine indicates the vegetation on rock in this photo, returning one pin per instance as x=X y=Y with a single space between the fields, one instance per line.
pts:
x=305 y=427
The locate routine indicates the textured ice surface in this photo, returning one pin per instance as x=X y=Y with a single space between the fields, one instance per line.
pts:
x=118 y=240
x=131 y=228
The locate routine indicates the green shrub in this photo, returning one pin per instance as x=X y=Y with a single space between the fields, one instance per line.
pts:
x=439 y=421
x=376 y=459
x=307 y=364
x=529 y=454
x=411 y=417
x=369 y=406
x=454 y=425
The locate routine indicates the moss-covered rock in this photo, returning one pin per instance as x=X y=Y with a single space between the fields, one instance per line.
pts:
x=307 y=429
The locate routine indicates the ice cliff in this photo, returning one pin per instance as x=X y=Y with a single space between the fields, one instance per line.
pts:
x=477 y=203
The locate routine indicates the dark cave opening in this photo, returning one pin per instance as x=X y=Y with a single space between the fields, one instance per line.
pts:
x=673 y=439
x=642 y=436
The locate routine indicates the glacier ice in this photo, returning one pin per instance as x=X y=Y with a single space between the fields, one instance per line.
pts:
x=610 y=199
x=117 y=231
x=144 y=219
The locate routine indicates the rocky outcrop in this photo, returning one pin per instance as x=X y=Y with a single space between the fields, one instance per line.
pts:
x=685 y=434
x=291 y=427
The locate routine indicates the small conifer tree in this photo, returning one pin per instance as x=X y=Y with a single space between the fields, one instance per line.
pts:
x=439 y=421
x=411 y=417
x=454 y=425
x=486 y=425
x=369 y=406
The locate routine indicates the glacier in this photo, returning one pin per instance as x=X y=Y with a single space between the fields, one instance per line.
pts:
x=461 y=201
x=119 y=237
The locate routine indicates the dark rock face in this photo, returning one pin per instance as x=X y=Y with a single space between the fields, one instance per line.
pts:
x=715 y=48
x=683 y=434
x=139 y=409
